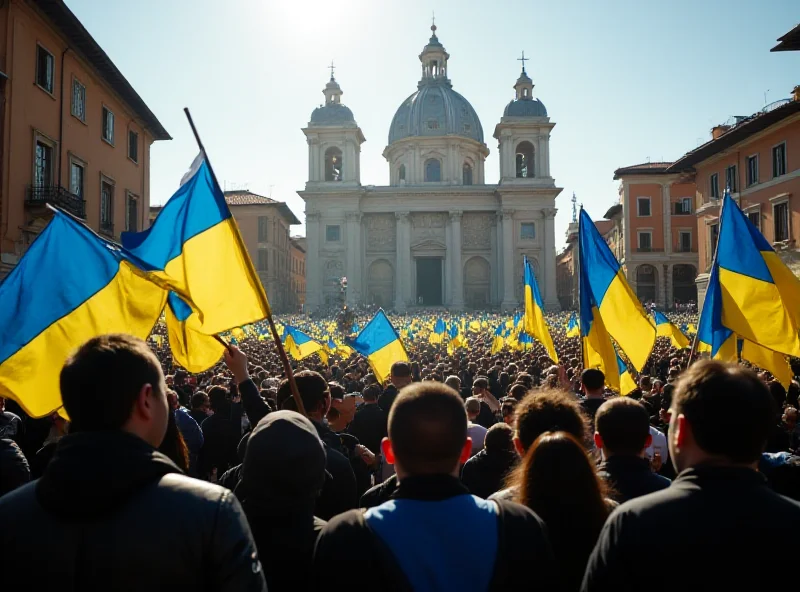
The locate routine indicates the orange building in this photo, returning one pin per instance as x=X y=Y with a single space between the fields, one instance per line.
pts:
x=73 y=132
x=657 y=237
x=567 y=263
x=297 y=288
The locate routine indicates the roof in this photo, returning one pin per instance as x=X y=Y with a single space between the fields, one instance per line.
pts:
x=435 y=110
x=645 y=168
x=747 y=128
x=246 y=198
x=790 y=41
x=613 y=211
x=296 y=243
x=604 y=226
x=525 y=108
x=84 y=44
x=332 y=114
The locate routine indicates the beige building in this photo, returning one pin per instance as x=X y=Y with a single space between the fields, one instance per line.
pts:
x=297 y=263
x=73 y=132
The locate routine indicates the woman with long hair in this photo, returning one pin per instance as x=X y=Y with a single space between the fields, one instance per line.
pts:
x=174 y=446
x=557 y=480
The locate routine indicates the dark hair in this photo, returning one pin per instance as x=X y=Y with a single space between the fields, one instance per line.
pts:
x=593 y=379
x=401 y=369
x=793 y=393
x=428 y=428
x=499 y=438
x=102 y=379
x=624 y=425
x=371 y=393
x=198 y=399
x=549 y=410
x=730 y=410
x=174 y=446
x=313 y=390
x=337 y=390
x=518 y=391
x=778 y=393
x=218 y=398
x=481 y=382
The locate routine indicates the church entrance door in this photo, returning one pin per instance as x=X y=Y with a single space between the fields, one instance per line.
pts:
x=429 y=281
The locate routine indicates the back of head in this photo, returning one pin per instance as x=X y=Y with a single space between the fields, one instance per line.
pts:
x=337 y=390
x=313 y=391
x=499 y=439
x=473 y=405
x=624 y=426
x=371 y=393
x=198 y=399
x=549 y=410
x=101 y=381
x=218 y=398
x=454 y=382
x=593 y=379
x=428 y=429
x=481 y=382
x=729 y=409
x=401 y=370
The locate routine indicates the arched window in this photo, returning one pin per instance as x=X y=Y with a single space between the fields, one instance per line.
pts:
x=466 y=174
x=433 y=171
x=401 y=174
x=333 y=164
x=525 y=160
x=524 y=92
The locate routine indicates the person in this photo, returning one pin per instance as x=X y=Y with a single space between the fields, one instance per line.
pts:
x=201 y=406
x=14 y=469
x=489 y=404
x=282 y=474
x=221 y=434
x=11 y=425
x=190 y=432
x=622 y=433
x=592 y=381
x=557 y=480
x=484 y=473
x=417 y=539
x=369 y=422
x=475 y=431
x=43 y=456
x=400 y=376
x=719 y=511
x=112 y=513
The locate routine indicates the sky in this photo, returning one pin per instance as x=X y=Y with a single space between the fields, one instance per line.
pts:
x=625 y=81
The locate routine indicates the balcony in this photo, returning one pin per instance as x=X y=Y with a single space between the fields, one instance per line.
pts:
x=41 y=195
x=641 y=249
x=682 y=249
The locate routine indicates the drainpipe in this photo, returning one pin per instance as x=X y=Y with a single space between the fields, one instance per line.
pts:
x=61 y=120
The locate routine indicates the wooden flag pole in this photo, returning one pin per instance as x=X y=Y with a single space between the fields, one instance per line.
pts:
x=287 y=367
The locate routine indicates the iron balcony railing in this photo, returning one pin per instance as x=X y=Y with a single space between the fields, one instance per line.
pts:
x=39 y=195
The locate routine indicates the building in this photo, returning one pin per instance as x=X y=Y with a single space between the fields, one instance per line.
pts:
x=568 y=263
x=74 y=132
x=656 y=236
x=438 y=234
x=264 y=224
x=297 y=258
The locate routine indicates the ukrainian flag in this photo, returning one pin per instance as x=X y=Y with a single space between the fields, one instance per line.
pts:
x=612 y=297
x=535 y=325
x=70 y=286
x=626 y=382
x=299 y=345
x=192 y=350
x=573 y=329
x=497 y=340
x=665 y=328
x=439 y=329
x=195 y=248
x=712 y=336
x=380 y=344
x=759 y=294
x=766 y=359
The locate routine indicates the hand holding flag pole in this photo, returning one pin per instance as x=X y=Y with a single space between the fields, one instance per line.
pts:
x=287 y=368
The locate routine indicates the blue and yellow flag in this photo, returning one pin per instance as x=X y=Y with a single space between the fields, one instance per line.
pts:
x=456 y=339
x=760 y=295
x=612 y=297
x=626 y=382
x=438 y=333
x=573 y=328
x=70 y=286
x=535 y=325
x=766 y=359
x=665 y=328
x=299 y=345
x=497 y=341
x=379 y=343
x=195 y=249
x=712 y=336
x=194 y=351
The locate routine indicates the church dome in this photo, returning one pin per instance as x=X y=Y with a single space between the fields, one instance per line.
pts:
x=332 y=114
x=435 y=110
x=525 y=108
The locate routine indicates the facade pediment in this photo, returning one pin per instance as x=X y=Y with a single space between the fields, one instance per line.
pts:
x=428 y=245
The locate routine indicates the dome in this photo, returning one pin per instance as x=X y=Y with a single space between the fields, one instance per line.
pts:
x=332 y=114
x=525 y=108
x=435 y=110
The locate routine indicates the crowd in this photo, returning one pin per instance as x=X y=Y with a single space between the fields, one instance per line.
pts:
x=475 y=469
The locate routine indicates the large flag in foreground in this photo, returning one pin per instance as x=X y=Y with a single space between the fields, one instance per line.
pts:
x=666 y=328
x=379 y=342
x=191 y=349
x=712 y=337
x=604 y=286
x=535 y=325
x=70 y=286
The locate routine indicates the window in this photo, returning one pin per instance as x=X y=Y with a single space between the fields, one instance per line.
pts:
x=133 y=146
x=263 y=223
x=645 y=241
x=525 y=168
x=108 y=125
x=466 y=174
x=684 y=241
x=713 y=188
x=45 y=69
x=643 y=206
x=333 y=233
x=433 y=124
x=78 y=100
x=263 y=260
x=333 y=164
x=730 y=179
x=401 y=174
x=43 y=165
x=683 y=206
x=752 y=170
x=779 y=160
x=132 y=213
x=433 y=171
x=528 y=231
x=106 y=207
x=755 y=219
x=713 y=235
x=781 y=214
x=76 y=174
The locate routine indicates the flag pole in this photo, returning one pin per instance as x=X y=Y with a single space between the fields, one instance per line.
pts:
x=262 y=295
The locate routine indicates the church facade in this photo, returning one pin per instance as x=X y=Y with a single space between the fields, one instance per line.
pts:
x=438 y=234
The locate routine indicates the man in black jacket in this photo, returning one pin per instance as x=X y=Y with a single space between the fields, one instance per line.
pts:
x=433 y=534
x=622 y=434
x=369 y=423
x=718 y=526
x=112 y=513
x=400 y=376
x=483 y=474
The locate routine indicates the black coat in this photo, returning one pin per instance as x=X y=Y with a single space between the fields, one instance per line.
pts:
x=14 y=469
x=484 y=473
x=112 y=513
x=379 y=494
x=221 y=433
x=716 y=528
x=369 y=426
x=630 y=477
x=386 y=400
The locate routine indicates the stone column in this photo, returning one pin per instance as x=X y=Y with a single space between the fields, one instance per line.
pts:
x=550 y=289
x=498 y=252
x=509 y=298
x=313 y=271
x=447 y=289
x=547 y=156
x=494 y=261
x=353 y=265
x=540 y=159
x=458 y=269
x=402 y=272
